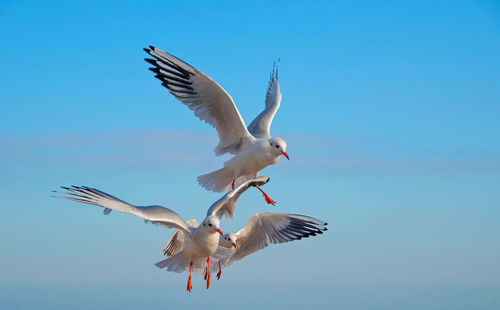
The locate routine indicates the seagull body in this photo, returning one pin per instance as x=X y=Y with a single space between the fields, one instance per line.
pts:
x=192 y=245
x=246 y=164
x=254 y=148
x=225 y=206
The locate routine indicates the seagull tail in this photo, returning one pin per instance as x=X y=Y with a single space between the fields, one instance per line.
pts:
x=180 y=263
x=217 y=181
x=177 y=263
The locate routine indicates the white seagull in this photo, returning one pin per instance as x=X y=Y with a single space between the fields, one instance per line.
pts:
x=261 y=230
x=254 y=147
x=198 y=242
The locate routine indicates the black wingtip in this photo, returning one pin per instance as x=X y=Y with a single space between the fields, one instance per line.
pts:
x=325 y=229
x=151 y=61
x=147 y=50
x=152 y=47
x=155 y=70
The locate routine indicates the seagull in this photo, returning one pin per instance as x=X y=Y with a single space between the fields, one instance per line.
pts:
x=198 y=241
x=254 y=148
x=261 y=230
x=225 y=206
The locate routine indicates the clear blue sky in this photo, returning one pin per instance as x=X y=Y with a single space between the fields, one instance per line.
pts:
x=391 y=111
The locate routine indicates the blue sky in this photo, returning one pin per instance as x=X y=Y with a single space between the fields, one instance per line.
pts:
x=391 y=113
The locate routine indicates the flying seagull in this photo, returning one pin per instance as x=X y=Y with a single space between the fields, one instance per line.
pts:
x=198 y=242
x=261 y=230
x=254 y=148
x=225 y=206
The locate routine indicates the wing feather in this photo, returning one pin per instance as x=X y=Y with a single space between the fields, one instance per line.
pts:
x=154 y=214
x=265 y=228
x=227 y=204
x=178 y=240
x=261 y=125
x=209 y=101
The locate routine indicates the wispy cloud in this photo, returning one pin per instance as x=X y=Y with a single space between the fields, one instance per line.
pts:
x=158 y=149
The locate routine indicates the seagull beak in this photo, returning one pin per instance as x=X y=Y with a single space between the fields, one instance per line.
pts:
x=286 y=155
x=234 y=244
x=219 y=231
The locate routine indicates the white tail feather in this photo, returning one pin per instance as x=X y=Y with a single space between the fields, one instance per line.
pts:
x=176 y=263
x=217 y=181
x=221 y=180
x=180 y=263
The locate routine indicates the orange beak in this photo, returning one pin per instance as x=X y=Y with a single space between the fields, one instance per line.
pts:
x=219 y=231
x=234 y=244
x=286 y=155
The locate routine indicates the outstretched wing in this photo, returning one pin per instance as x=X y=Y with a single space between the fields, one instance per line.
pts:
x=261 y=125
x=265 y=228
x=209 y=101
x=154 y=214
x=227 y=204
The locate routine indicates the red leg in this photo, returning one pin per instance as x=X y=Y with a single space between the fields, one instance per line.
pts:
x=208 y=272
x=232 y=185
x=267 y=198
x=220 y=271
x=190 y=284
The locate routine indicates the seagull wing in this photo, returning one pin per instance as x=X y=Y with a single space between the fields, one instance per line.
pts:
x=227 y=204
x=261 y=126
x=209 y=101
x=265 y=228
x=154 y=214
x=178 y=240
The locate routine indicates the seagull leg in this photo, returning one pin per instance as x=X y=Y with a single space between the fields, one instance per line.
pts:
x=220 y=271
x=208 y=272
x=190 y=284
x=232 y=185
x=267 y=198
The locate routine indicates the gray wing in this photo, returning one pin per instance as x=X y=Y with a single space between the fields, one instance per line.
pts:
x=178 y=240
x=227 y=204
x=261 y=125
x=154 y=214
x=209 y=101
x=266 y=228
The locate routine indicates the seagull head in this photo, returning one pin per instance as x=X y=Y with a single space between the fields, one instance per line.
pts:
x=279 y=146
x=230 y=240
x=212 y=223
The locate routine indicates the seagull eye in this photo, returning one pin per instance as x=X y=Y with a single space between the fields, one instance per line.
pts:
x=210 y=225
x=277 y=146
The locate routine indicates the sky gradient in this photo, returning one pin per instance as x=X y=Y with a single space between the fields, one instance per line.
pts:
x=391 y=112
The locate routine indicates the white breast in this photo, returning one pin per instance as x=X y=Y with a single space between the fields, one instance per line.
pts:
x=202 y=244
x=253 y=159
